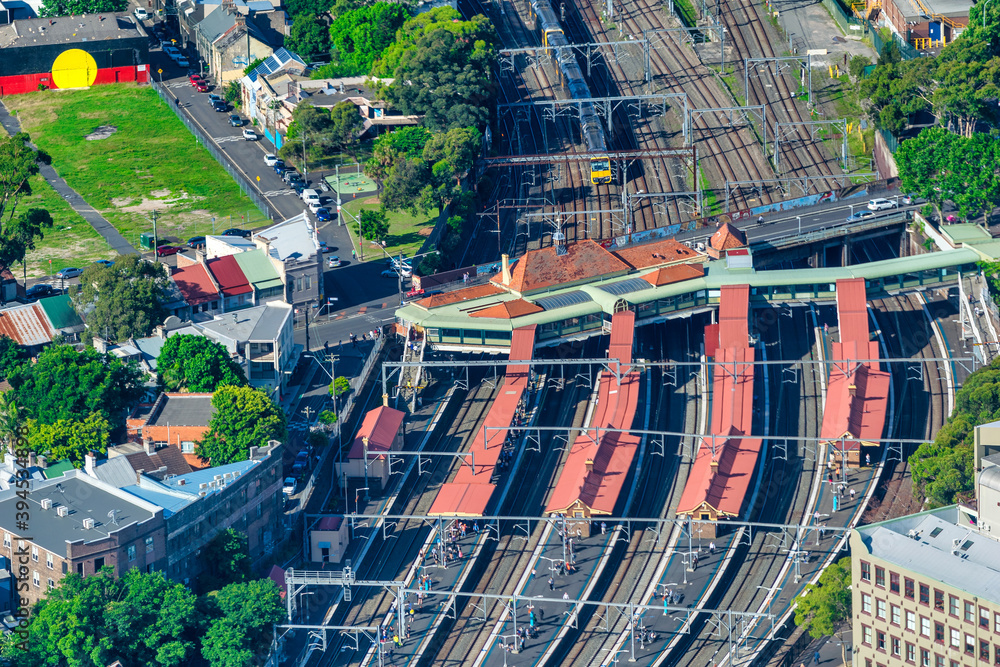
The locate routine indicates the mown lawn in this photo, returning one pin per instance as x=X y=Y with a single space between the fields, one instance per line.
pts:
x=150 y=163
x=406 y=232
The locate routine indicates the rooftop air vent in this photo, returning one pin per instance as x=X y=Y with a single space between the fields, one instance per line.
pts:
x=88 y=523
x=46 y=503
x=62 y=510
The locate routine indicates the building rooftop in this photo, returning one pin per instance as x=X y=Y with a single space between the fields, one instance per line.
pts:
x=195 y=284
x=26 y=324
x=68 y=30
x=258 y=269
x=229 y=276
x=291 y=239
x=657 y=253
x=543 y=269
x=175 y=409
x=260 y=323
x=62 y=316
x=220 y=246
x=380 y=427
x=86 y=498
x=933 y=544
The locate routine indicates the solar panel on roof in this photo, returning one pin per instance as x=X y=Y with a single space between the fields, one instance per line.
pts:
x=563 y=300
x=625 y=286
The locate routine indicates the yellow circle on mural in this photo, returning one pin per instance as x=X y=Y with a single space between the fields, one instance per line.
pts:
x=74 y=68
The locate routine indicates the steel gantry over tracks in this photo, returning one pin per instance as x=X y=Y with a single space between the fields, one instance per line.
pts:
x=517 y=160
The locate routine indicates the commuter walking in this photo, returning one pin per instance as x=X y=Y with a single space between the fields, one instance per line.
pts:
x=552 y=585
x=852 y=495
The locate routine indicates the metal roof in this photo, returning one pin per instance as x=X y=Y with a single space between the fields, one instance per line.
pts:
x=291 y=239
x=258 y=269
x=59 y=310
x=563 y=300
x=260 y=323
x=990 y=477
x=625 y=286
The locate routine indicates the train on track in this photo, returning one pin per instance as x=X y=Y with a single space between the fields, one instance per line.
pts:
x=593 y=131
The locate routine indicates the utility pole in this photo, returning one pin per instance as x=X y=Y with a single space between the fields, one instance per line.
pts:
x=156 y=256
x=306 y=306
x=305 y=168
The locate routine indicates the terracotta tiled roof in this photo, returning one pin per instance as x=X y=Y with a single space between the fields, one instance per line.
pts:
x=380 y=426
x=464 y=294
x=674 y=274
x=541 y=269
x=727 y=237
x=662 y=252
x=508 y=310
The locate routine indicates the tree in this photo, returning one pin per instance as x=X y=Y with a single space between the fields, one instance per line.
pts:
x=52 y=8
x=18 y=163
x=226 y=560
x=311 y=7
x=244 y=417
x=254 y=607
x=373 y=225
x=124 y=300
x=328 y=417
x=857 y=66
x=70 y=439
x=458 y=148
x=225 y=645
x=359 y=36
x=194 y=363
x=430 y=264
x=346 y=125
x=824 y=609
x=19 y=236
x=308 y=37
x=12 y=356
x=138 y=619
x=253 y=65
x=233 y=92
x=340 y=387
x=403 y=187
x=70 y=385
x=446 y=74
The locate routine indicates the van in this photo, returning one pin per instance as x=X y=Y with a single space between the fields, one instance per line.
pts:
x=310 y=196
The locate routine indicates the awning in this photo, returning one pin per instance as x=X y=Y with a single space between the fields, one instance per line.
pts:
x=324 y=545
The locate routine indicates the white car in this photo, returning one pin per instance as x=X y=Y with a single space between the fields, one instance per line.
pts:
x=290 y=486
x=880 y=204
x=270 y=160
x=249 y=134
x=141 y=14
x=182 y=63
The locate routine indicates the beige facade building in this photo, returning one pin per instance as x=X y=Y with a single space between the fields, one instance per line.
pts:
x=926 y=587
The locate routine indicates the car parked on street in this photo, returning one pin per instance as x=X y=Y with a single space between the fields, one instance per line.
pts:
x=194 y=78
x=235 y=121
x=201 y=86
x=323 y=214
x=236 y=231
x=220 y=106
x=141 y=13
x=861 y=215
x=69 y=272
x=105 y=262
x=249 y=134
x=279 y=167
x=164 y=250
x=213 y=99
x=171 y=51
x=290 y=486
x=880 y=204
x=333 y=262
x=38 y=291
x=270 y=159
x=196 y=242
x=182 y=62
x=299 y=187
x=290 y=175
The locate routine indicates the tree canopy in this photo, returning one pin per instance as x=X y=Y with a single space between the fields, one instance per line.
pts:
x=446 y=73
x=70 y=385
x=226 y=559
x=345 y=124
x=824 y=609
x=12 y=356
x=66 y=7
x=244 y=417
x=359 y=36
x=124 y=300
x=373 y=225
x=70 y=439
x=146 y=619
x=188 y=362
x=308 y=37
x=407 y=142
x=296 y=8
x=18 y=229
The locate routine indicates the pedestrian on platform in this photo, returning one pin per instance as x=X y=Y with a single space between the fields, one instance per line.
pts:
x=868 y=459
x=565 y=596
x=852 y=495
x=604 y=528
x=552 y=585
x=711 y=548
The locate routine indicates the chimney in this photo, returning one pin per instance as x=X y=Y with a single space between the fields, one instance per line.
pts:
x=385 y=400
x=590 y=465
x=149 y=447
x=505 y=276
x=31 y=459
x=43 y=463
x=138 y=477
x=852 y=389
x=253 y=453
x=90 y=463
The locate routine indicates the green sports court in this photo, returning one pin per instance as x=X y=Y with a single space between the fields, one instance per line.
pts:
x=351 y=184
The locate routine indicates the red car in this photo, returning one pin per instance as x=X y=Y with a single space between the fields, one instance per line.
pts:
x=201 y=86
x=164 y=250
x=194 y=78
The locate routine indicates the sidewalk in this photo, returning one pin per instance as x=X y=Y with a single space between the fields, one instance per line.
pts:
x=76 y=202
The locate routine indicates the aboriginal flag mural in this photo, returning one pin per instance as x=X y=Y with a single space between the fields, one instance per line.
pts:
x=71 y=52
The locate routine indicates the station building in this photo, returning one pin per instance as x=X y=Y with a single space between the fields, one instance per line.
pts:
x=72 y=52
x=381 y=432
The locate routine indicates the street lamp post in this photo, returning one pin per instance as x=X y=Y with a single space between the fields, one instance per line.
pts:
x=357 y=495
x=984 y=12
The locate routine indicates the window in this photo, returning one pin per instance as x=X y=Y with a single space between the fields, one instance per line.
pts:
x=866 y=603
x=298 y=284
x=911 y=652
x=969 y=612
x=52 y=584
x=925 y=626
x=48 y=560
x=131 y=553
x=925 y=658
x=911 y=621
x=996 y=622
x=894 y=644
x=34 y=554
x=953 y=605
x=956 y=638
x=98 y=564
x=939 y=632
x=925 y=594
x=970 y=644
x=260 y=507
x=880 y=576
x=894 y=583
x=866 y=635
x=996 y=654
x=984 y=650
x=880 y=608
x=984 y=618
x=938 y=660
x=908 y=589
x=894 y=614
x=880 y=640
x=35 y=579
x=149 y=544
x=866 y=569
x=187 y=447
x=938 y=600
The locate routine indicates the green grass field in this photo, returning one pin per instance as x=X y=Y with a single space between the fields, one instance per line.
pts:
x=152 y=162
x=406 y=232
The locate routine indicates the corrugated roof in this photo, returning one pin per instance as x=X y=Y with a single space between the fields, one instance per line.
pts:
x=330 y=523
x=26 y=324
x=622 y=333
x=59 y=310
x=258 y=269
x=294 y=238
x=195 y=284
x=666 y=251
x=545 y=268
x=462 y=499
x=152 y=492
x=459 y=295
x=522 y=348
x=562 y=300
x=734 y=312
x=229 y=276
x=380 y=426
x=115 y=471
x=627 y=286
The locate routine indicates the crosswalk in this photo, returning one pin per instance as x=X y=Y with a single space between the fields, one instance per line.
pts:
x=222 y=140
x=278 y=193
